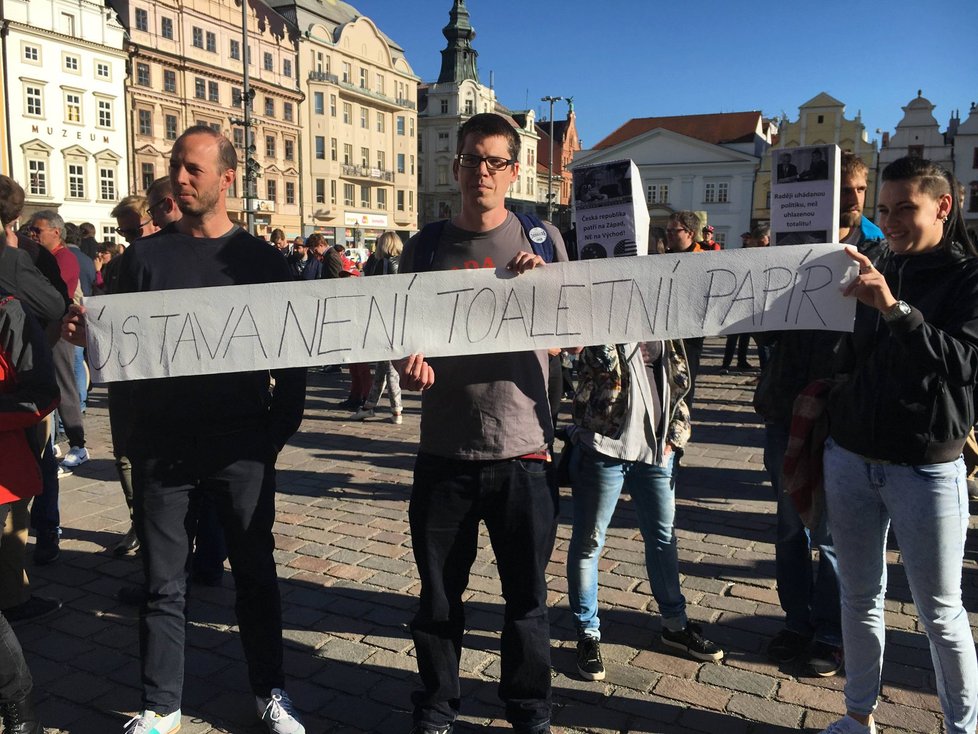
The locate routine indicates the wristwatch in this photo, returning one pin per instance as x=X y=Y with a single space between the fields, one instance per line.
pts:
x=898 y=310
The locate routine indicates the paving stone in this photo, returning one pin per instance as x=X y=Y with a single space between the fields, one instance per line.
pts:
x=737 y=680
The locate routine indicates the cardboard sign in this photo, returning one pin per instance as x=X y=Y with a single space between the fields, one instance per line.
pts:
x=805 y=195
x=610 y=214
x=258 y=327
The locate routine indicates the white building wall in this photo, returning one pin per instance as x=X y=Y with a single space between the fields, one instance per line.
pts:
x=66 y=70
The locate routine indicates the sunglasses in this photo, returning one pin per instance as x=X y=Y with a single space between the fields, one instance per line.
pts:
x=132 y=230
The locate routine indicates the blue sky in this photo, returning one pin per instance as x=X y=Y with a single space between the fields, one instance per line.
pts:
x=621 y=59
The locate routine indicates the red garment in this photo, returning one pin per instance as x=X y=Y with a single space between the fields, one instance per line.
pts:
x=361 y=380
x=70 y=270
x=802 y=473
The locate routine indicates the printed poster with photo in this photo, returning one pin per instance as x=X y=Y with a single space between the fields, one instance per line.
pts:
x=805 y=194
x=610 y=221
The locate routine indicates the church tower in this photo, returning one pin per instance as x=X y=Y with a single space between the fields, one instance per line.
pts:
x=458 y=58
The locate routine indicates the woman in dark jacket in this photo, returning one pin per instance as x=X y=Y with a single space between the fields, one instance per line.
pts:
x=899 y=418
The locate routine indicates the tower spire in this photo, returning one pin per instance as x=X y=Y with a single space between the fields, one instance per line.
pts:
x=458 y=58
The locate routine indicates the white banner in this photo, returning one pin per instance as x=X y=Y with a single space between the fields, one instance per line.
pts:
x=256 y=327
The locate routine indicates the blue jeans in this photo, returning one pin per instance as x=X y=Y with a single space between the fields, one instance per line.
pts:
x=928 y=506
x=517 y=500
x=596 y=483
x=810 y=600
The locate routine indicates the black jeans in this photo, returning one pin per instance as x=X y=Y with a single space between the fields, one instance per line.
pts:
x=239 y=475
x=518 y=503
x=15 y=678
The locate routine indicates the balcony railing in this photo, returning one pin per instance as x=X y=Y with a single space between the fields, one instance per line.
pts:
x=367 y=172
x=323 y=76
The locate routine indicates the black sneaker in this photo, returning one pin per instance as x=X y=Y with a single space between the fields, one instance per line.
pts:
x=589 y=664
x=37 y=607
x=787 y=646
x=692 y=642
x=128 y=544
x=48 y=547
x=825 y=660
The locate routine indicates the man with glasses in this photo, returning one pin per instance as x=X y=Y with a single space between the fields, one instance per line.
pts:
x=485 y=429
x=681 y=233
x=160 y=204
x=133 y=218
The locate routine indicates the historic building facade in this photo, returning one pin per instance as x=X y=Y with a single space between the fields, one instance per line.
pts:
x=360 y=125
x=66 y=141
x=821 y=121
x=186 y=68
x=966 y=164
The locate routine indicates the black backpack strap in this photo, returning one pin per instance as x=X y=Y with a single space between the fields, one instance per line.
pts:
x=426 y=244
x=543 y=245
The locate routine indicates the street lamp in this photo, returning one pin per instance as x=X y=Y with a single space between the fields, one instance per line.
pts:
x=550 y=177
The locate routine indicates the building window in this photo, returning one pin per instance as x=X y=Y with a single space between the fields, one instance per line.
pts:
x=198 y=37
x=235 y=97
x=145 y=122
x=347 y=113
x=400 y=124
x=200 y=88
x=716 y=193
x=333 y=149
x=444 y=106
x=318 y=103
x=381 y=124
x=269 y=146
x=380 y=83
x=37 y=176
x=142 y=75
x=76 y=181
x=212 y=42
x=469 y=107
x=382 y=160
x=349 y=191
x=382 y=199
x=271 y=190
x=269 y=107
x=657 y=194
x=400 y=163
x=34 y=106
x=364 y=80
x=287 y=111
x=169 y=80
x=365 y=157
x=442 y=176
x=332 y=105
x=400 y=201
x=73 y=107
x=142 y=20
x=915 y=151
x=166 y=28
x=102 y=70
x=147 y=175
x=269 y=62
x=348 y=154
x=365 y=197
x=32 y=54
x=71 y=63
x=320 y=148
x=289 y=149
x=332 y=191
x=346 y=72
x=411 y=126
x=974 y=159
x=235 y=49
x=287 y=67
x=290 y=192
x=320 y=190
x=364 y=118
x=443 y=141
x=104 y=113
x=238 y=136
x=170 y=122
x=213 y=92
x=106 y=184
x=68 y=24
x=721 y=238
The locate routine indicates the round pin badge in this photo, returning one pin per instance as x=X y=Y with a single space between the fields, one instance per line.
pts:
x=537 y=235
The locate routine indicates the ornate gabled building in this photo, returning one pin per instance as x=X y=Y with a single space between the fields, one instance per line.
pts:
x=918 y=134
x=565 y=144
x=821 y=121
x=186 y=68
x=966 y=164
x=444 y=105
x=65 y=141
x=359 y=118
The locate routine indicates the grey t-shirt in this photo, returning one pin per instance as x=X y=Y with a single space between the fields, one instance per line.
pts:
x=485 y=406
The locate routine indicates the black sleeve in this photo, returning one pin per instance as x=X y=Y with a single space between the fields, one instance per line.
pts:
x=36 y=391
x=288 y=404
x=30 y=285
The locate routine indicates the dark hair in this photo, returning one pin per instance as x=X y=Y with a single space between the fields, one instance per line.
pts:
x=315 y=240
x=852 y=165
x=72 y=234
x=277 y=234
x=87 y=229
x=689 y=220
x=226 y=153
x=487 y=125
x=162 y=187
x=935 y=181
x=11 y=200
x=761 y=230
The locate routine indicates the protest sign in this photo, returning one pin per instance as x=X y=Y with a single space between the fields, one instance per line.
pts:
x=251 y=327
x=610 y=214
x=805 y=195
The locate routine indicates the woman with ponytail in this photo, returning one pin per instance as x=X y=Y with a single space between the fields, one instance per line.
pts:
x=899 y=416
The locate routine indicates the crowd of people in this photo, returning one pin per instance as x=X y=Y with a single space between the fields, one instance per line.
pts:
x=196 y=455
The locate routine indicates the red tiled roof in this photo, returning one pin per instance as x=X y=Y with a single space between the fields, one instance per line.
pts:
x=716 y=128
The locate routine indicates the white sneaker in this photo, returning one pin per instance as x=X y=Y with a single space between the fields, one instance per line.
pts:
x=150 y=722
x=362 y=414
x=57 y=451
x=76 y=456
x=279 y=714
x=396 y=419
x=848 y=725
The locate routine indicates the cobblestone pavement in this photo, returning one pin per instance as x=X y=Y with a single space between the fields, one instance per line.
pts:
x=349 y=589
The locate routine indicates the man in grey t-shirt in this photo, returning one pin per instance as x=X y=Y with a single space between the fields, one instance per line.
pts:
x=485 y=429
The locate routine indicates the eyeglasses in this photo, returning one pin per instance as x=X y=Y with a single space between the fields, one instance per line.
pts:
x=493 y=162
x=676 y=231
x=132 y=230
x=152 y=206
